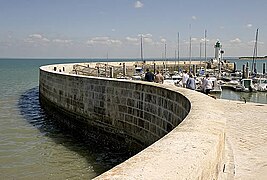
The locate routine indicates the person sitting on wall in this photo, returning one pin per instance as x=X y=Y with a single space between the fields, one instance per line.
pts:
x=159 y=78
x=149 y=76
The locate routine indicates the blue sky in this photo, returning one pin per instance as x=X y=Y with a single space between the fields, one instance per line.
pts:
x=101 y=28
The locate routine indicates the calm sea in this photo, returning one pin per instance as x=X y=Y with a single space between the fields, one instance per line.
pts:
x=33 y=147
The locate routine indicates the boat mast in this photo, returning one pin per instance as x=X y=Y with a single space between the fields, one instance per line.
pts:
x=142 y=55
x=178 y=50
x=255 y=54
x=190 y=54
x=175 y=58
x=200 y=49
x=165 y=54
x=205 y=38
x=190 y=49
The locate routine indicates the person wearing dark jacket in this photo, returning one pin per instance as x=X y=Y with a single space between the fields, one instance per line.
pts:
x=149 y=76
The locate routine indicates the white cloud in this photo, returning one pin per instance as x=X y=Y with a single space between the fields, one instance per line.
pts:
x=249 y=25
x=114 y=41
x=131 y=39
x=5 y=44
x=98 y=40
x=45 y=40
x=36 y=38
x=203 y=40
x=138 y=4
x=103 y=40
x=194 y=17
x=148 y=35
x=41 y=40
x=148 y=40
x=236 y=40
x=63 y=41
x=163 y=40
x=10 y=34
x=194 y=39
x=253 y=42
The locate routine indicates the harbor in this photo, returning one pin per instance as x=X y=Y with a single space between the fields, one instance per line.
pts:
x=225 y=74
x=136 y=89
x=134 y=70
x=210 y=130
x=32 y=122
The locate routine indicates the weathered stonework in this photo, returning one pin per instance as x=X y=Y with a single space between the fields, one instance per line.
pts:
x=148 y=113
x=139 y=110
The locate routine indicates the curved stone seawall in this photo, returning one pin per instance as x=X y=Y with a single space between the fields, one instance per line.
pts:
x=144 y=113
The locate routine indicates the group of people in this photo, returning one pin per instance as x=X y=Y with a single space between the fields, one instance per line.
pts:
x=189 y=82
x=150 y=77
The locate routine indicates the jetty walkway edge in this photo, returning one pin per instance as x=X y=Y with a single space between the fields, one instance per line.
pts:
x=186 y=131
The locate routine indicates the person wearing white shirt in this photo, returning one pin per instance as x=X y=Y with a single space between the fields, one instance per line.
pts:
x=207 y=84
x=185 y=78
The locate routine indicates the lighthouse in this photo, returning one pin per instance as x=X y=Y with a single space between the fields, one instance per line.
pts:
x=218 y=51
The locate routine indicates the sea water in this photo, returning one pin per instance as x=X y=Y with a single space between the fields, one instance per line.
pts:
x=31 y=145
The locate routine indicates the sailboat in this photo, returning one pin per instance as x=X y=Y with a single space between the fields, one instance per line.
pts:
x=247 y=85
x=260 y=83
x=255 y=54
x=139 y=73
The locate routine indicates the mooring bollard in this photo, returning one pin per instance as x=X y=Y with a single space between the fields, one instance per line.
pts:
x=247 y=72
x=123 y=69
x=98 y=72
x=243 y=71
x=111 y=72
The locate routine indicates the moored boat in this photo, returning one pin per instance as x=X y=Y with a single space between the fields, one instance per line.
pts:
x=246 y=85
x=216 y=87
x=261 y=84
x=175 y=79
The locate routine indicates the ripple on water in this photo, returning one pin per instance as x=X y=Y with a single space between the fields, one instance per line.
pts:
x=32 y=146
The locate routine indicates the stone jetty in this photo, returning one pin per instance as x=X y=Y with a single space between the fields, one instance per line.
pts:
x=187 y=134
x=119 y=69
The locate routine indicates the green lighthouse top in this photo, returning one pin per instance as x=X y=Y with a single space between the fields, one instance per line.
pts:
x=218 y=44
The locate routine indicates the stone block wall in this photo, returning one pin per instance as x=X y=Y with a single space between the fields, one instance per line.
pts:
x=185 y=127
x=143 y=111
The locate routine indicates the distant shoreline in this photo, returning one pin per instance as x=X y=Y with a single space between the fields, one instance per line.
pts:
x=250 y=58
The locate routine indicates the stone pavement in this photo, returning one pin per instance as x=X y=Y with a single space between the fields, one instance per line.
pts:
x=246 y=140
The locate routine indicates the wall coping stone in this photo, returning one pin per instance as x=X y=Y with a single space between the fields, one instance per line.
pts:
x=192 y=150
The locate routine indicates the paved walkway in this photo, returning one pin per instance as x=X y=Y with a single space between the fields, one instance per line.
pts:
x=246 y=140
